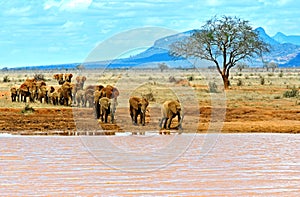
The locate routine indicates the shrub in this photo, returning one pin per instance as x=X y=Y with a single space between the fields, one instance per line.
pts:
x=39 y=77
x=239 y=82
x=280 y=74
x=190 y=78
x=172 y=79
x=246 y=76
x=291 y=93
x=27 y=109
x=6 y=79
x=212 y=87
x=262 y=81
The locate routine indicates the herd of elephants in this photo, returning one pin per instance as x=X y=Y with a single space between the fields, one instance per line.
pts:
x=102 y=98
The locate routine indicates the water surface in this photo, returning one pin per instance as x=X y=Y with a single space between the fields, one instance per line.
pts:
x=185 y=165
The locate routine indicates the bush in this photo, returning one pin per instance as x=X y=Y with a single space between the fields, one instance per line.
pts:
x=280 y=74
x=291 y=93
x=172 y=79
x=6 y=79
x=212 y=87
x=190 y=78
x=27 y=109
x=39 y=77
x=262 y=81
x=239 y=82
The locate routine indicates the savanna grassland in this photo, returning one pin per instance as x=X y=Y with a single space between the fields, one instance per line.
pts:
x=257 y=101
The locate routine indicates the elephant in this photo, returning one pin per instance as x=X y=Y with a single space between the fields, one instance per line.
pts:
x=80 y=98
x=95 y=95
x=28 y=89
x=14 y=94
x=170 y=109
x=43 y=94
x=68 y=77
x=39 y=84
x=59 y=78
x=138 y=106
x=24 y=92
x=105 y=105
x=65 y=94
x=75 y=89
x=96 y=98
x=80 y=81
x=109 y=92
x=53 y=96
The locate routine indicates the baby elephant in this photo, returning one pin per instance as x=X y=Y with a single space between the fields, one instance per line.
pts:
x=104 y=108
x=138 y=106
x=170 y=109
x=107 y=107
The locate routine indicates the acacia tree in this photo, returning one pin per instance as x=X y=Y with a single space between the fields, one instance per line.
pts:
x=224 y=41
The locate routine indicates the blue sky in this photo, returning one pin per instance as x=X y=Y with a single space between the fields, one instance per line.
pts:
x=42 y=32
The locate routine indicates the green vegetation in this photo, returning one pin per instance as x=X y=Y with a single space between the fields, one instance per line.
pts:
x=227 y=38
x=291 y=93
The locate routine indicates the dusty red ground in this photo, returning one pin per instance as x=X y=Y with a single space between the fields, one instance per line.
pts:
x=68 y=121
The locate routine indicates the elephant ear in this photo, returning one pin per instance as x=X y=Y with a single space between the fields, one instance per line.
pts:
x=134 y=102
x=145 y=101
x=83 y=79
x=52 y=89
x=115 y=93
x=78 y=79
x=68 y=77
x=55 y=76
x=173 y=106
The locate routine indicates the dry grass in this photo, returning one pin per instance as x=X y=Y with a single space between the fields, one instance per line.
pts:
x=191 y=88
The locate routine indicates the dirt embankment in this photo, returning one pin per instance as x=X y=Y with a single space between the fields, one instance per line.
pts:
x=70 y=121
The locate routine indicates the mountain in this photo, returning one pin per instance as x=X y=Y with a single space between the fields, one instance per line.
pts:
x=281 y=53
x=294 y=62
x=265 y=37
x=282 y=38
x=285 y=54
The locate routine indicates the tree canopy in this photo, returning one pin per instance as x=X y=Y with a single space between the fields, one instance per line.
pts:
x=224 y=41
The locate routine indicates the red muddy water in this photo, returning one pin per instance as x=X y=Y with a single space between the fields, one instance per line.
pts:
x=158 y=165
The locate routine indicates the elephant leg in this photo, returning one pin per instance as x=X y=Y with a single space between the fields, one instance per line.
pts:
x=179 y=122
x=135 y=118
x=143 y=116
x=165 y=123
x=161 y=122
x=169 y=122
x=101 y=116
x=106 y=116
x=97 y=109
x=112 y=117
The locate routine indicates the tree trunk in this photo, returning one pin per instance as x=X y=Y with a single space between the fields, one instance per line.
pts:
x=226 y=82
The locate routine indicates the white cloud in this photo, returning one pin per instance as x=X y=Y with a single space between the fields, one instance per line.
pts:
x=51 y=3
x=18 y=11
x=68 y=5
x=70 y=25
x=75 y=4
